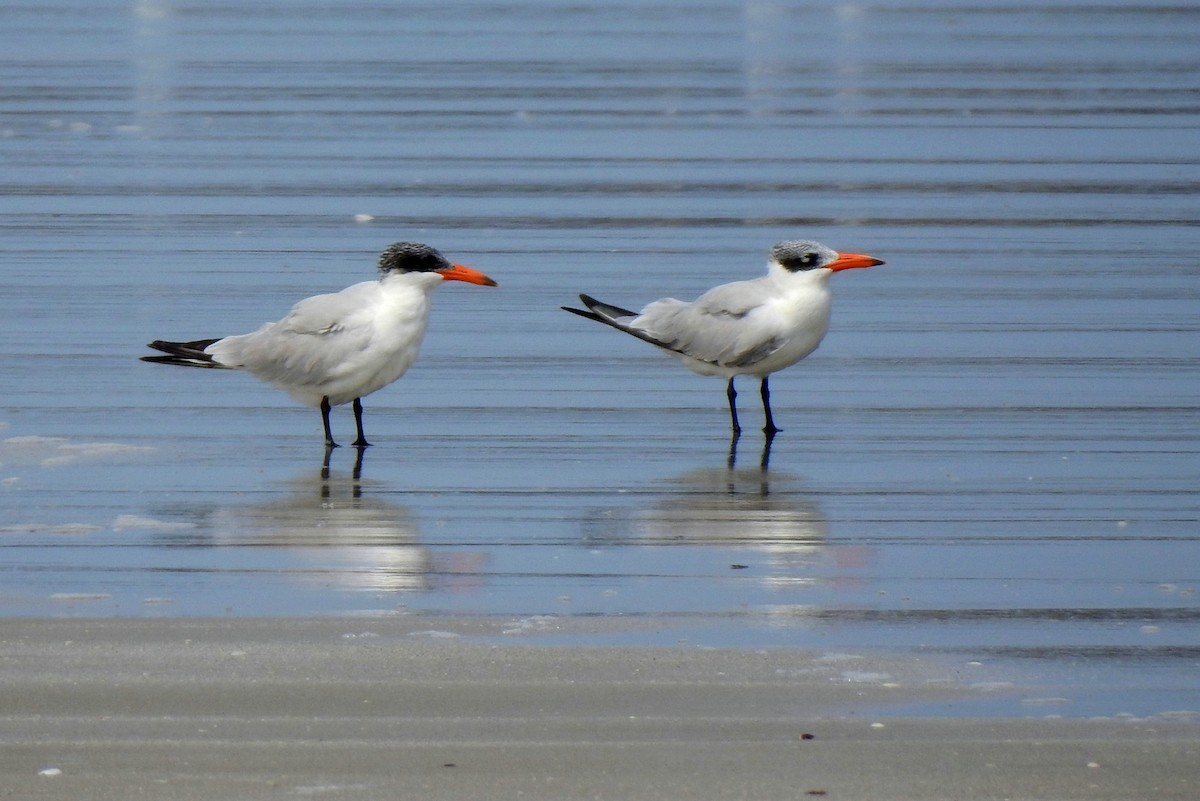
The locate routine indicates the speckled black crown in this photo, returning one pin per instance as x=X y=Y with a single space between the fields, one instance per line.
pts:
x=411 y=257
x=797 y=255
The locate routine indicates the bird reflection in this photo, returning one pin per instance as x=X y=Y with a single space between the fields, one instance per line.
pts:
x=347 y=537
x=736 y=507
x=355 y=474
x=729 y=507
x=764 y=459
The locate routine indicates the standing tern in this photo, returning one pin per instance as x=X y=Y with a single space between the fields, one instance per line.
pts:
x=751 y=327
x=337 y=348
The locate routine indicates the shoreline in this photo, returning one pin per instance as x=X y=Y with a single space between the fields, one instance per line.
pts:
x=243 y=708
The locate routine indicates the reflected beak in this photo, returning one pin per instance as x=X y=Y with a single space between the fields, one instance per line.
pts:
x=457 y=272
x=846 y=261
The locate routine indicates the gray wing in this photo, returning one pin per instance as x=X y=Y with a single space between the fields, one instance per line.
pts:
x=315 y=341
x=727 y=326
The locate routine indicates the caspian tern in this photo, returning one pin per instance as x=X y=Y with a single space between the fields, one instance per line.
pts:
x=754 y=327
x=337 y=348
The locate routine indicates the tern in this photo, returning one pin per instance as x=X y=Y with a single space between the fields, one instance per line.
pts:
x=338 y=348
x=754 y=327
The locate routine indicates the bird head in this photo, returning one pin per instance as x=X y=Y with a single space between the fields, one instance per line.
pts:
x=414 y=257
x=801 y=256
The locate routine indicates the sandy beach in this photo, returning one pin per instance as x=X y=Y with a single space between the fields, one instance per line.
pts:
x=392 y=708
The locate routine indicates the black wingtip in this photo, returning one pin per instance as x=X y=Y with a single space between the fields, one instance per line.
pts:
x=184 y=354
x=588 y=301
x=605 y=312
x=179 y=361
x=196 y=346
x=589 y=315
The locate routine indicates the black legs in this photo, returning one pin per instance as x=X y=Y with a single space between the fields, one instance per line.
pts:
x=769 y=427
x=329 y=443
x=361 y=442
x=731 y=393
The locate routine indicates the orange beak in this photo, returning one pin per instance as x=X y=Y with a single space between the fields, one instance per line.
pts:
x=846 y=261
x=457 y=272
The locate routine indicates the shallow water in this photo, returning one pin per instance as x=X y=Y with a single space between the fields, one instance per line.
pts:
x=994 y=453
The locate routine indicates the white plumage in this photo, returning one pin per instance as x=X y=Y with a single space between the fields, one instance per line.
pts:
x=754 y=327
x=337 y=348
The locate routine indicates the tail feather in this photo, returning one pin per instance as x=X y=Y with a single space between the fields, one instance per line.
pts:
x=589 y=315
x=599 y=311
x=605 y=309
x=610 y=315
x=184 y=354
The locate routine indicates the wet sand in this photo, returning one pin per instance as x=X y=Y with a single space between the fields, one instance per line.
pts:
x=395 y=708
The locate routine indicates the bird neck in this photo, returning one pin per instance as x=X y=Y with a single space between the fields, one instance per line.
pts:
x=789 y=283
x=425 y=281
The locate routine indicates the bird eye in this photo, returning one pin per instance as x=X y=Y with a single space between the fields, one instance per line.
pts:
x=800 y=262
